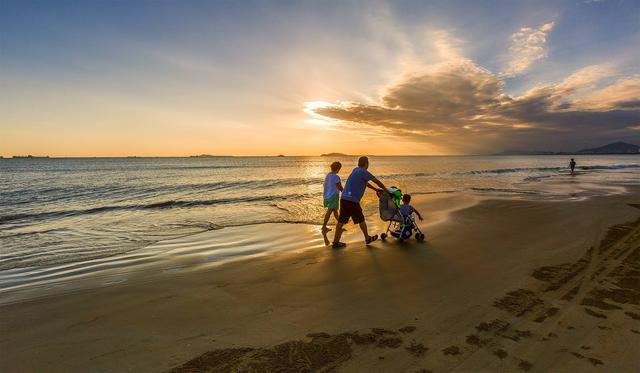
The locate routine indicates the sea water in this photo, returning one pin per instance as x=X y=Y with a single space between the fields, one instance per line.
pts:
x=60 y=211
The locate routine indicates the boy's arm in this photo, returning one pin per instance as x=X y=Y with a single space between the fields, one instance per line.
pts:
x=417 y=213
x=339 y=185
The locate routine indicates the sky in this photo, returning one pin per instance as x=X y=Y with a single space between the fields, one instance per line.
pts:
x=175 y=78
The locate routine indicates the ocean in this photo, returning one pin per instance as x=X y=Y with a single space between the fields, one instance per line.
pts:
x=65 y=210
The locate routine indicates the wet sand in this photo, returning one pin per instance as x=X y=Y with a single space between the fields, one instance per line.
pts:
x=499 y=285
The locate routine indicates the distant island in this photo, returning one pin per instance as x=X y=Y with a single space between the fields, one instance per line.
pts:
x=210 y=156
x=336 y=155
x=613 y=148
x=29 y=156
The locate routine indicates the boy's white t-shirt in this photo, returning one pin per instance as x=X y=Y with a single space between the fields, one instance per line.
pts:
x=330 y=184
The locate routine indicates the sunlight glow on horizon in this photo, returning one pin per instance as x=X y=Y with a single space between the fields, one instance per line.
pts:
x=316 y=119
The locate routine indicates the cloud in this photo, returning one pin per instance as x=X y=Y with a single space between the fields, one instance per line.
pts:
x=438 y=97
x=446 y=45
x=465 y=108
x=623 y=93
x=527 y=46
x=586 y=77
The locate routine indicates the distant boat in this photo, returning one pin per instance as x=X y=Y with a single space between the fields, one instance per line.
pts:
x=30 y=156
x=280 y=155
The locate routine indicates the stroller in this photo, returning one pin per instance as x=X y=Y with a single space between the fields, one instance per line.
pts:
x=400 y=227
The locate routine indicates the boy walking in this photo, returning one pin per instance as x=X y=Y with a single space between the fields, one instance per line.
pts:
x=572 y=165
x=332 y=189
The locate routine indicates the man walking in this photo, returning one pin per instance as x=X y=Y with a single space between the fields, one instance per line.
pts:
x=350 y=202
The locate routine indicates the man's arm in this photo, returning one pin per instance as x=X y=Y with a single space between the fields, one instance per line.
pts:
x=379 y=183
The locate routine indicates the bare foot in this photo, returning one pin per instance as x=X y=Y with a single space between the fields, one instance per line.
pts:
x=326 y=229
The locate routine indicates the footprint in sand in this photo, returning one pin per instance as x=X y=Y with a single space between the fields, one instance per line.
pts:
x=525 y=365
x=451 y=350
x=407 y=329
x=633 y=315
x=389 y=342
x=416 y=349
x=592 y=360
x=500 y=353
x=593 y=313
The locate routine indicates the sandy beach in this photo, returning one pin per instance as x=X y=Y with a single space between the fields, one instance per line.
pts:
x=499 y=285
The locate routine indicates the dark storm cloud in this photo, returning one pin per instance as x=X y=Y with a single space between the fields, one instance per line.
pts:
x=464 y=107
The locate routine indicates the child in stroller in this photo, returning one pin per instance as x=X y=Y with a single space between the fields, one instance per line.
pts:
x=399 y=216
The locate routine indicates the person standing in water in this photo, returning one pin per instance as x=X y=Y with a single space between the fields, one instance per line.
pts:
x=572 y=165
x=350 y=202
x=332 y=189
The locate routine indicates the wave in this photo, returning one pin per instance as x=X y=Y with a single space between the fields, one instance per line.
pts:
x=23 y=234
x=435 y=192
x=610 y=167
x=150 y=206
x=546 y=169
x=59 y=194
x=505 y=190
x=259 y=184
x=121 y=168
x=413 y=174
x=512 y=170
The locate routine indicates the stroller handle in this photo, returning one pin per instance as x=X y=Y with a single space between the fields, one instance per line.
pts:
x=379 y=192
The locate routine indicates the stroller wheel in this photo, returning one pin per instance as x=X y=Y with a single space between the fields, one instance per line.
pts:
x=400 y=240
x=419 y=236
x=383 y=236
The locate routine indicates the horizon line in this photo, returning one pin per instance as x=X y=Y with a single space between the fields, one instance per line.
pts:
x=308 y=156
x=233 y=156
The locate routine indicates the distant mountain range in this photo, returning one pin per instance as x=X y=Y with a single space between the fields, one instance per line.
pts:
x=206 y=156
x=613 y=148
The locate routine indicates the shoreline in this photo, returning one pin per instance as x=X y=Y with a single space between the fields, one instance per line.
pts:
x=24 y=282
x=447 y=288
x=438 y=206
